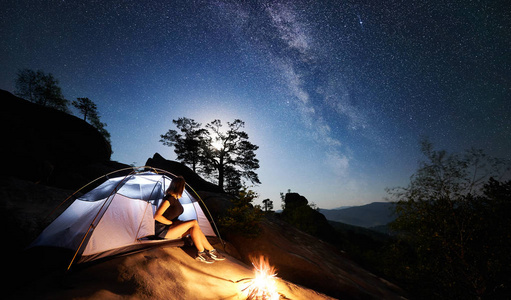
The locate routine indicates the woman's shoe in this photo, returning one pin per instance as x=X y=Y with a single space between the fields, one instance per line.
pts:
x=204 y=257
x=215 y=255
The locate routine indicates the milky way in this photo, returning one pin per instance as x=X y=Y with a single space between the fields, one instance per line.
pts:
x=337 y=94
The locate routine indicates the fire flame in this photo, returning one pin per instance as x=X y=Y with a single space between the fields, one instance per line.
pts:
x=263 y=286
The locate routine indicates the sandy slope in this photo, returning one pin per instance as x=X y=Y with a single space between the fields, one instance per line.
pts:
x=161 y=273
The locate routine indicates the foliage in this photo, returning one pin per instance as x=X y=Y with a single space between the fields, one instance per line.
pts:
x=445 y=175
x=232 y=180
x=268 y=205
x=40 y=88
x=283 y=199
x=453 y=225
x=227 y=155
x=243 y=216
x=89 y=109
x=43 y=89
x=230 y=153
x=188 y=146
x=86 y=107
x=100 y=126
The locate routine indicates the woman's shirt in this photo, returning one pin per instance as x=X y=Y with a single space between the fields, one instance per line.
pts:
x=174 y=210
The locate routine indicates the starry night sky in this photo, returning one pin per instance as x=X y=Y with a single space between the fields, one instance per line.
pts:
x=337 y=94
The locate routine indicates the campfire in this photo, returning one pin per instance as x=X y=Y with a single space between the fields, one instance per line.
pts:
x=263 y=286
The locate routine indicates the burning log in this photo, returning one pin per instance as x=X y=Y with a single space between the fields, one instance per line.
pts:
x=263 y=286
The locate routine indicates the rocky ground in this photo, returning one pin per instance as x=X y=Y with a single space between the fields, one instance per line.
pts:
x=161 y=273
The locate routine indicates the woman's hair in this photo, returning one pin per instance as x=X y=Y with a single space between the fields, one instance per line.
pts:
x=177 y=186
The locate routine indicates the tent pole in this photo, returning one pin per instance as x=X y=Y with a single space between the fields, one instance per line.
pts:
x=209 y=213
x=123 y=181
x=149 y=204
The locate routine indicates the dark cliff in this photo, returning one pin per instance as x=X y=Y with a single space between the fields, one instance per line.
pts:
x=45 y=145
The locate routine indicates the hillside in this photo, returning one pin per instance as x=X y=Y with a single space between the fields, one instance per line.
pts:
x=370 y=215
x=308 y=267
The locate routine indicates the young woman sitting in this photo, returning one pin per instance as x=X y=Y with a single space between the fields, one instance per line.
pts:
x=168 y=226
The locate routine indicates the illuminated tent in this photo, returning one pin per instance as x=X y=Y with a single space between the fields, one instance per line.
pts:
x=116 y=217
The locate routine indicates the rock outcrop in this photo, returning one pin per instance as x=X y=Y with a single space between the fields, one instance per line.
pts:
x=197 y=182
x=45 y=145
x=160 y=273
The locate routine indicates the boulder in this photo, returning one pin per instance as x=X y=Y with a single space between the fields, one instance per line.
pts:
x=294 y=200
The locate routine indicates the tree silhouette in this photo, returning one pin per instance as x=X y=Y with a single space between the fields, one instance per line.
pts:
x=27 y=83
x=231 y=152
x=40 y=88
x=268 y=205
x=224 y=155
x=188 y=145
x=86 y=107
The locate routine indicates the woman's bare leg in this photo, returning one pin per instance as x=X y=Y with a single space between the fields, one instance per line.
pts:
x=192 y=228
x=199 y=239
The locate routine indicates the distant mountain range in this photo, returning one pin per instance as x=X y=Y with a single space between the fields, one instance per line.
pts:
x=370 y=215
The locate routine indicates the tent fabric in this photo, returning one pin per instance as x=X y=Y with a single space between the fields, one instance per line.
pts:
x=116 y=216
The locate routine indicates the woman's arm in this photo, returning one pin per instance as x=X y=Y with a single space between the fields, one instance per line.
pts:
x=158 y=216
